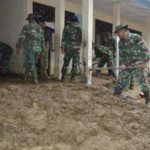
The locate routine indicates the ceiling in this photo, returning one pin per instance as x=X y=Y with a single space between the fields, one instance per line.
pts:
x=135 y=10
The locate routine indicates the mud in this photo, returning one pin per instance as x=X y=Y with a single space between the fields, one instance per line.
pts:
x=70 y=116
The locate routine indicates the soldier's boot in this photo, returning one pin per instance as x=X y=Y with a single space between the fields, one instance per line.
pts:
x=98 y=73
x=147 y=97
x=117 y=91
x=73 y=77
x=111 y=73
x=34 y=75
x=131 y=87
x=63 y=77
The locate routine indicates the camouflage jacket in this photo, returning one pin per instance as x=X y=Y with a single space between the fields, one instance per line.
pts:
x=72 y=37
x=101 y=51
x=133 y=50
x=32 y=38
x=111 y=44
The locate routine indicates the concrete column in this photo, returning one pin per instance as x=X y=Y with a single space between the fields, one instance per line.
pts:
x=147 y=36
x=59 y=26
x=147 y=32
x=116 y=21
x=87 y=13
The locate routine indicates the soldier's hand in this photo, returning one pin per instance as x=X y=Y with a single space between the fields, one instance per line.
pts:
x=62 y=50
x=122 y=67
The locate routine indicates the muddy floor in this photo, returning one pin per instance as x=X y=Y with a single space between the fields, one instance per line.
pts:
x=71 y=116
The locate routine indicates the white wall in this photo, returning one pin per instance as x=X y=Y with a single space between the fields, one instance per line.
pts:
x=12 y=16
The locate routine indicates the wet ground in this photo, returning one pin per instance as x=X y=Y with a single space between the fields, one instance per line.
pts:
x=71 y=116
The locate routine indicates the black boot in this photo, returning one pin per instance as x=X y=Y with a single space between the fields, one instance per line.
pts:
x=111 y=73
x=98 y=73
x=147 y=97
x=117 y=91
x=73 y=78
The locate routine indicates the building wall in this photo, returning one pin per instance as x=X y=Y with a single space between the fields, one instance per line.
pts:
x=12 y=16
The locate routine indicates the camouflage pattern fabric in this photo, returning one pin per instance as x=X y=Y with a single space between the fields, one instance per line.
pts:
x=71 y=42
x=105 y=55
x=133 y=52
x=32 y=41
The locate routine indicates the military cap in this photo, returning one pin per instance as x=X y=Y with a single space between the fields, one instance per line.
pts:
x=30 y=17
x=120 y=26
x=75 y=19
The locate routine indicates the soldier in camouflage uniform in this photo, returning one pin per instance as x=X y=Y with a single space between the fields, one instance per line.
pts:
x=71 y=42
x=106 y=53
x=44 y=60
x=133 y=52
x=5 y=56
x=32 y=41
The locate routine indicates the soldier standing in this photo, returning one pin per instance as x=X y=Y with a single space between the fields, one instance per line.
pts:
x=45 y=60
x=133 y=53
x=106 y=53
x=31 y=40
x=71 y=42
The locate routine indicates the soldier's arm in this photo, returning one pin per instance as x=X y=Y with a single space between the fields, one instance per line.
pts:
x=21 y=38
x=141 y=44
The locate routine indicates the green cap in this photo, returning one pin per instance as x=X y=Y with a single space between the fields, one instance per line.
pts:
x=30 y=17
x=120 y=26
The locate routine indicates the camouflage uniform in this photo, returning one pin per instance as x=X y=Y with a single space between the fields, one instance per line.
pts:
x=106 y=55
x=32 y=41
x=5 y=56
x=133 y=52
x=71 y=42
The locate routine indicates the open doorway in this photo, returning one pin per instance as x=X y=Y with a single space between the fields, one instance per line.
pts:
x=48 y=13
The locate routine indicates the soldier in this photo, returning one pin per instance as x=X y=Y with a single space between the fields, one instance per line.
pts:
x=31 y=40
x=5 y=56
x=134 y=53
x=106 y=53
x=44 y=60
x=71 y=42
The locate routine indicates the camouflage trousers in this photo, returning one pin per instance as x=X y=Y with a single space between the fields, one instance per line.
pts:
x=106 y=59
x=74 y=55
x=31 y=59
x=140 y=74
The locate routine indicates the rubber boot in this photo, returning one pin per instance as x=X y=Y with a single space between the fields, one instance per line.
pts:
x=147 y=97
x=73 y=77
x=111 y=73
x=131 y=86
x=98 y=73
x=117 y=91
x=34 y=75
